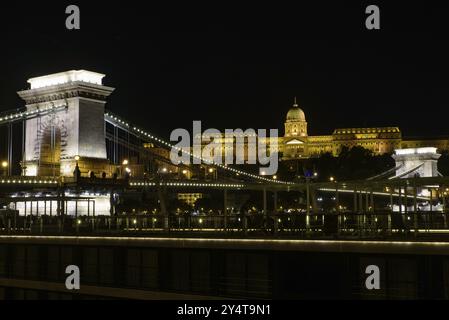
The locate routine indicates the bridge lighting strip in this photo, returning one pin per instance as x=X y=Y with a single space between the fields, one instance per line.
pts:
x=14 y=181
x=339 y=244
x=184 y=184
x=150 y=136
x=26 y=114
x=374 y=193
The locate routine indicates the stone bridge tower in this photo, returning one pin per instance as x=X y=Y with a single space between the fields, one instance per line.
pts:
x=73 y=132
x=418 y=162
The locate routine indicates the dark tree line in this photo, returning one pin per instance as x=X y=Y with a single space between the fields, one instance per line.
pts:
x=351 y=164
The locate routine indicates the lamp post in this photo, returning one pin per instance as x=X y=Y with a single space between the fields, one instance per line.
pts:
x=127 y=173
x=5 y=167
x=124 y=169
x=213 y=173
x=77 y=171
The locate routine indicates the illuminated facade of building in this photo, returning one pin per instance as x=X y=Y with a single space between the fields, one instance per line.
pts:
x=297 y=144
x=189 y=198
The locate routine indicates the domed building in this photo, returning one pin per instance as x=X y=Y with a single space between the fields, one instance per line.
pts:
x=297 y=144
x=295 y=133
x=296 y=124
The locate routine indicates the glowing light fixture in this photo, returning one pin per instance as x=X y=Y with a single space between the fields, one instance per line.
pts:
x=66 y=77
x=415 y=151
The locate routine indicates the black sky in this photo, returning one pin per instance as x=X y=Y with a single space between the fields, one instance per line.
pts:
x=235 y=66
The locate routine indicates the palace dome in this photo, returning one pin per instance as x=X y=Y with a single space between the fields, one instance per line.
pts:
x=295 y=113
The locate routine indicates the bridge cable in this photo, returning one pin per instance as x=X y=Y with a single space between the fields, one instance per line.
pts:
x=113 y=119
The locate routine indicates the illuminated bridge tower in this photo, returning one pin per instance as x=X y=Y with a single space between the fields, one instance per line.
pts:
x=73 y=132
x=419 y=162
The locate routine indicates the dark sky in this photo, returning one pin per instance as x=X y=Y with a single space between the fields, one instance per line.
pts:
x=235 y=66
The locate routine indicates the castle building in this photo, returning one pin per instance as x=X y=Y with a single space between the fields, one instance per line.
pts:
x=297 y=144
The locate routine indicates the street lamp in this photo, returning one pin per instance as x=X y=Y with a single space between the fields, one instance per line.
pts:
x=213 y=172
x=77 y=158
x=77 y=171
x=4 y=166
x=331 y=179
x=125 y=162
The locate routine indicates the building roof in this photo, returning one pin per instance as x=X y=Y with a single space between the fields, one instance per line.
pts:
x=296 y=113
x=367 y=130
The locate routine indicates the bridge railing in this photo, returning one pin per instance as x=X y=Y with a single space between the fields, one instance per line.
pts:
x=322 y=225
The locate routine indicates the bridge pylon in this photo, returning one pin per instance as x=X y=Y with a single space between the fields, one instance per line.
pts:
x=57 y=140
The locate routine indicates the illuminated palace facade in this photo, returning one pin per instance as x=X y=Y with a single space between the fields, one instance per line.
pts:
x=297 y=144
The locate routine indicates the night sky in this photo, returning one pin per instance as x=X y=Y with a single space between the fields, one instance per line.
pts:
x=235 y=66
